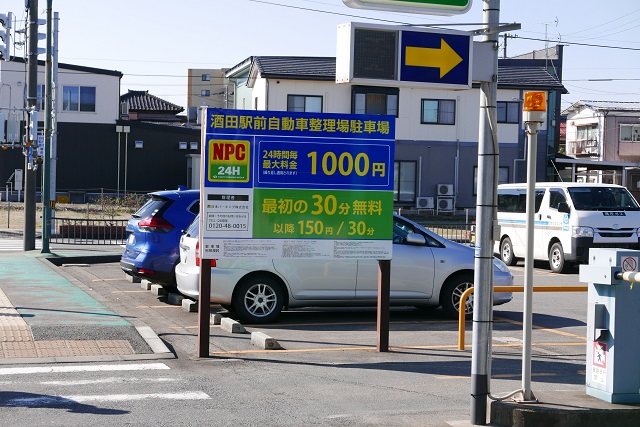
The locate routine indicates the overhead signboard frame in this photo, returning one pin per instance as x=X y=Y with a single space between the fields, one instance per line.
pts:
x=430 y=7
x=371 y=54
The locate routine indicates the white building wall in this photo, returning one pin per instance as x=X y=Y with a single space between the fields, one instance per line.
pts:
x=337 y=99
x=13 y=92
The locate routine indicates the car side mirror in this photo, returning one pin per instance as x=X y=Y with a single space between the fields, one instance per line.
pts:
x=563 y=207
x=415 y=239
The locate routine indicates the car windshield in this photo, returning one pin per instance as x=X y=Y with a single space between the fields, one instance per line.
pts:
x=602 y=199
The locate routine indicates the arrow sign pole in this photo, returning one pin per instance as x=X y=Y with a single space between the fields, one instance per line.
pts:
x=444 y=58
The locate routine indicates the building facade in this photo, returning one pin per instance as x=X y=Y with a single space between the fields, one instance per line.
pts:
x=437 y=131
x=603 y=141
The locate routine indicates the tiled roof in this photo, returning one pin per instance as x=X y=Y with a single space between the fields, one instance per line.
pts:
x=522 y=77
x=140 y=100
x=324 y=68
x=606 y=106
x=299 y=67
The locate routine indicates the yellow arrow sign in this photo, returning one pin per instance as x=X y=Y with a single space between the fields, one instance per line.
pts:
x=444 y=57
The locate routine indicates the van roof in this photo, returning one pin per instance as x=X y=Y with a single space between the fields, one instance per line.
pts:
x=559 y=184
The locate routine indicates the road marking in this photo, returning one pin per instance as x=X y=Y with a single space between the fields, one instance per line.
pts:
x=553 y=331
x=159 y=306
x=82 y=368
x=466 y=377
x=108 y=280
x=373 y=348
x=67 y=400
x=108 y=381
x=129 y=292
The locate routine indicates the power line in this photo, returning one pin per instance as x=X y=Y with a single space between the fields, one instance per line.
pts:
x=581 y=44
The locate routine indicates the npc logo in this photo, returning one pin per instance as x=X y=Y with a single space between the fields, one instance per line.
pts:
x=228 y=161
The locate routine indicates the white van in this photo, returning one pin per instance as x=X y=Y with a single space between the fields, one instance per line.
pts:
x=569 y=218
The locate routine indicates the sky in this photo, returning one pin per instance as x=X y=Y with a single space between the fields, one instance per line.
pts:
x=154 y=42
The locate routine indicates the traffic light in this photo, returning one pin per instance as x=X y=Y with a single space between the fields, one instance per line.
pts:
x=5 y=35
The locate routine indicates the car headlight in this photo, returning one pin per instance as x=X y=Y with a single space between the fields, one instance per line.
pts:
x=497 y=262
x=582 y=232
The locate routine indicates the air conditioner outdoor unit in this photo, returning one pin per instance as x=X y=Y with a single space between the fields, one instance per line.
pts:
x=445 y=203
x=424 y=203
x=445 y=189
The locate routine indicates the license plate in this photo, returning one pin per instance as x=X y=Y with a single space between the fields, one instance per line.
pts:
x=132 y=237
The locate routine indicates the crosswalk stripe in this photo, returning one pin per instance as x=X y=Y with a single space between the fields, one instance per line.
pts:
x=82 y=368
x=16 y=244
x=67 y=400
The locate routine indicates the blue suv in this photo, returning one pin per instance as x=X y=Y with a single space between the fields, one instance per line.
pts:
x=153 y=234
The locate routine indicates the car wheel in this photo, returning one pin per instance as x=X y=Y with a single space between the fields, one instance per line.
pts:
x=259 y=299
x=556 y=258
x=506 y=252
x=452 y=291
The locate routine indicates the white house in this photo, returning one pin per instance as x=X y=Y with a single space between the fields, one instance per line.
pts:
x=604 y=139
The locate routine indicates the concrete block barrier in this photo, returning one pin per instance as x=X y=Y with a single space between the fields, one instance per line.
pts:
x=232 y=326
x=190 y=305
x=158 y=290
x=216 y=319
x=264 y=341
x=175 y=299
x=133 y=279
x=145 y=284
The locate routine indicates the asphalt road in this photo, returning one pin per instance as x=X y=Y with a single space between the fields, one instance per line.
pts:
x=328 y=373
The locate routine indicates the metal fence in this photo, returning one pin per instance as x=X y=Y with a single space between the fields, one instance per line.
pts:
x=461 y=233
x=112 y=231
x=89 y=231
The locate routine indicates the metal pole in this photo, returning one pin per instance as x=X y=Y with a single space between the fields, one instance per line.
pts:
x=53 y=176
x=119 y=131
x=486 y=211
x=532 y=131
x=29 y=237
x=126 y=162
x=46 y=161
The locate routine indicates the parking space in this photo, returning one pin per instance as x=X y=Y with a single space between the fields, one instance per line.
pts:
x=329 y=333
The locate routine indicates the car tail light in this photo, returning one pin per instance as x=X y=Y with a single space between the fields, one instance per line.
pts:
x=213 y=261
x=155 y=224
x=146 y=271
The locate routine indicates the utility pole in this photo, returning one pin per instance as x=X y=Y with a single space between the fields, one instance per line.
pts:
x=488 y=161
x=29 y=236
x=46 y=161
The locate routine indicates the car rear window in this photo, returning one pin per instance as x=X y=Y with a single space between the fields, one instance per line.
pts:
x=153 y=205
x=194 y=227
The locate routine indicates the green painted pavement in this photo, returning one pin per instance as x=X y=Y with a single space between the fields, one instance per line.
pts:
x=44 y=297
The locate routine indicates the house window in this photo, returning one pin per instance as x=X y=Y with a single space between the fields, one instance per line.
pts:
x=304 y=103
x=438 y=111
x=205 y=92
x=206 y=77
x=375 y=100
x=78 y=98
x=629 y=133
x=587 y=133
x=508 y=112
x=404 y=181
